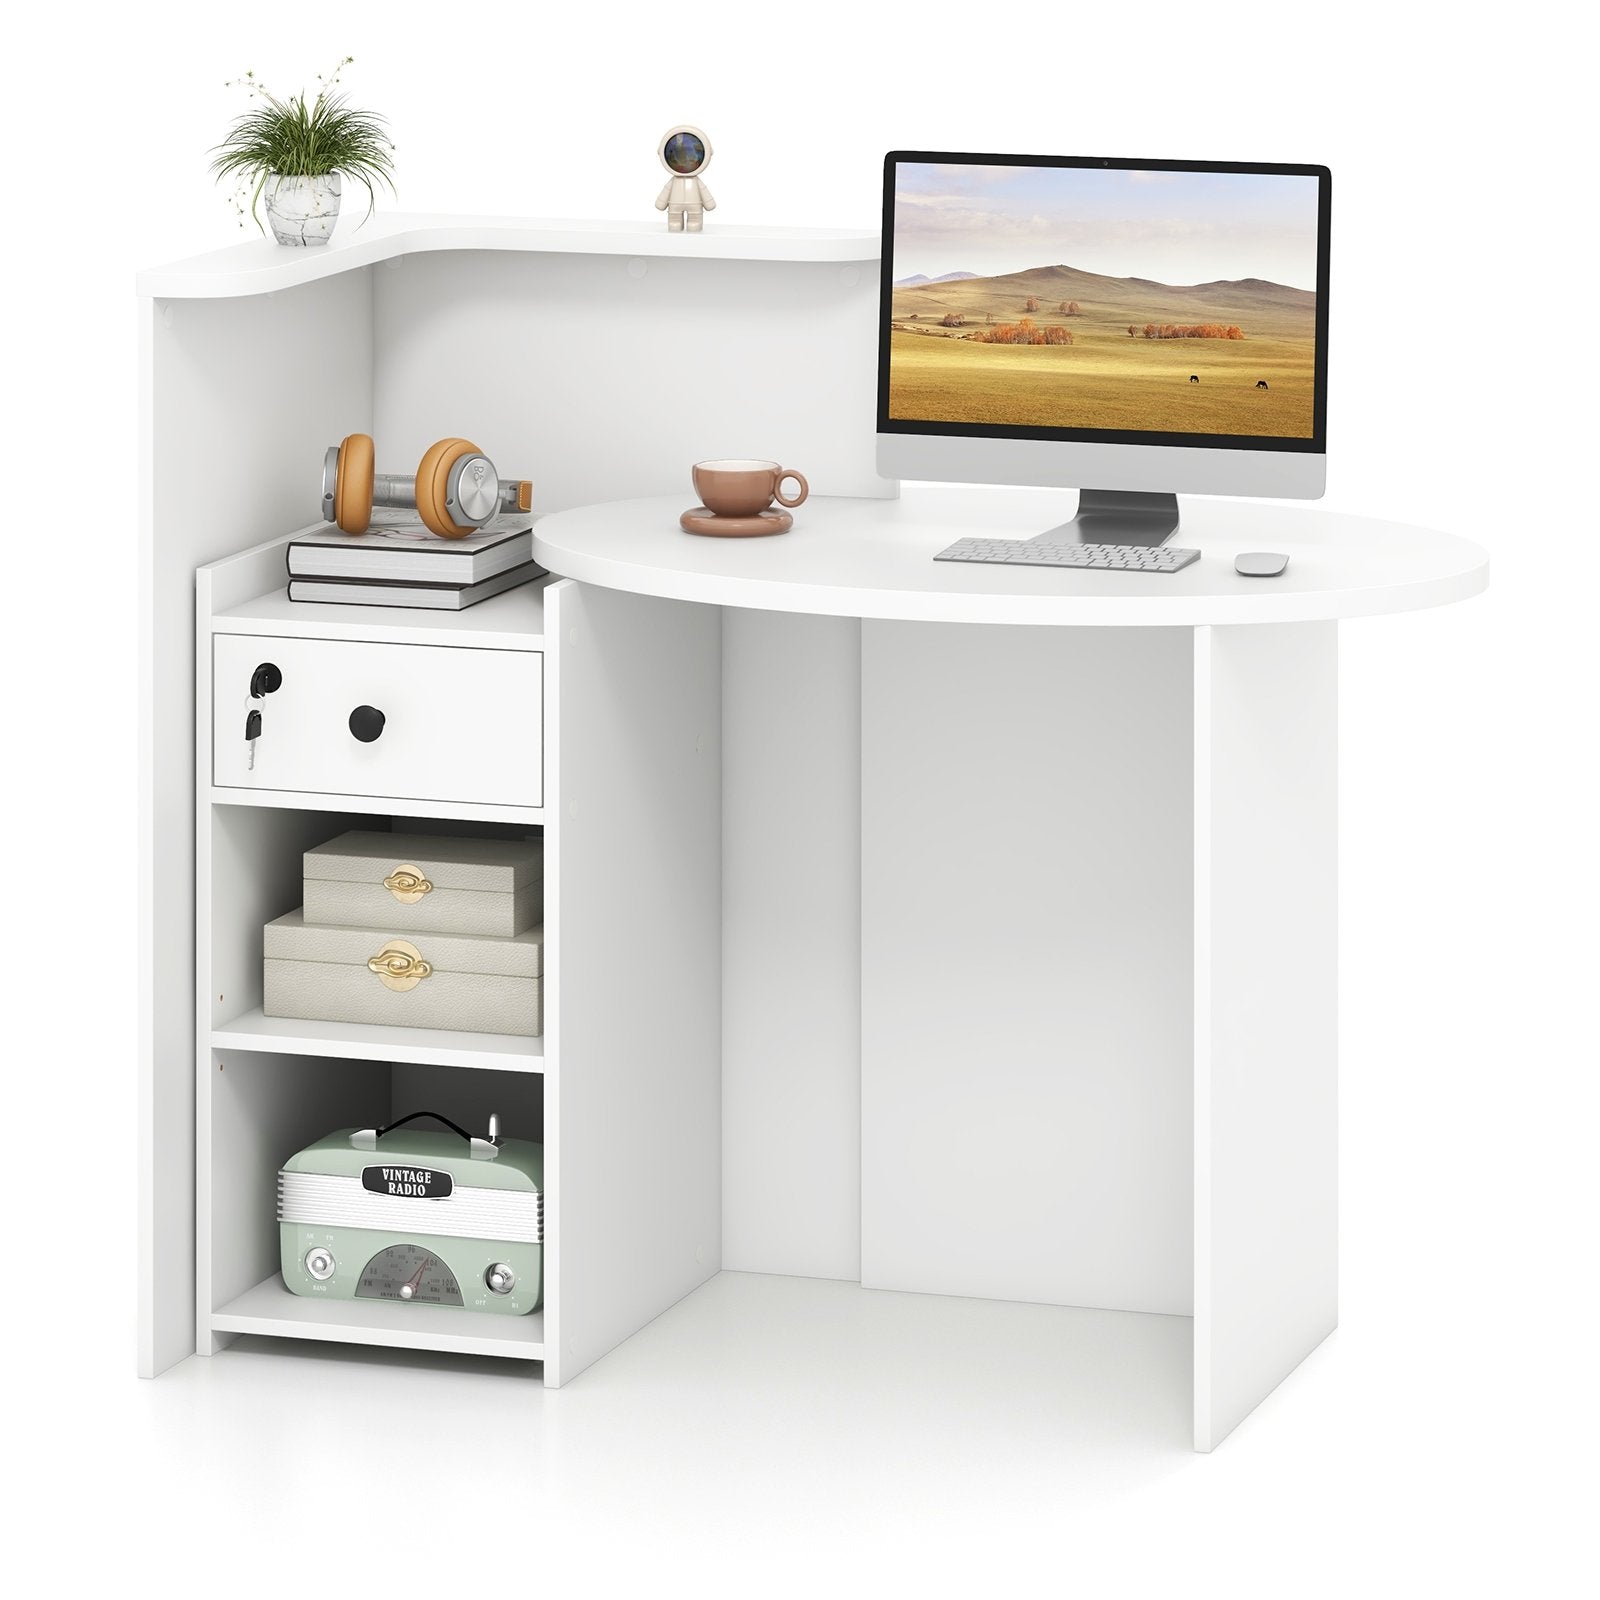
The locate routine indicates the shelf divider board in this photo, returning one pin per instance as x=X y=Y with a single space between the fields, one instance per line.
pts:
x=362 y=806
x=269 y=1308
x=496 y=1052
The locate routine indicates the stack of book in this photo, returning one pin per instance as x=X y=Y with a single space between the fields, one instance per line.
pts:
x=398 y=562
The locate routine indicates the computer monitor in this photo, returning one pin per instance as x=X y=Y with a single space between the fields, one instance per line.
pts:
x=1131 y=329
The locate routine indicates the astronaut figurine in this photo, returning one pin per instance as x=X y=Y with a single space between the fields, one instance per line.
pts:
x=685 y=152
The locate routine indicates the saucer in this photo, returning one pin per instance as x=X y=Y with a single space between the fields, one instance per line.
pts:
x=702 y=521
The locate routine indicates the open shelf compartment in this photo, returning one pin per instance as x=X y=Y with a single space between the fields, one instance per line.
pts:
x=256 y=874
x=261 y=1109
x=495 y=1052
x=248 y=593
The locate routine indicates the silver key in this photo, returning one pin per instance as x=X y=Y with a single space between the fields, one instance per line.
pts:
x=266 y=679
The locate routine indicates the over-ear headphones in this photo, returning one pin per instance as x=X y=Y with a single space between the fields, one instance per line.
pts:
x=455 y=491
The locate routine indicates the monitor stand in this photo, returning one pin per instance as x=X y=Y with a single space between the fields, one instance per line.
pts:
x=1120 y=516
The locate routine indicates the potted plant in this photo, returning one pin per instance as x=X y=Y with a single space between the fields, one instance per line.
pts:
x=294 y=153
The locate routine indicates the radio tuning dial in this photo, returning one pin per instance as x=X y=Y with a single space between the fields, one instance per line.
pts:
x=320 y=1263
x=500 y=1278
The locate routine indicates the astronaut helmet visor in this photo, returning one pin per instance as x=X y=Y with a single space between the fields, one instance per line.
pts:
x=684 y=153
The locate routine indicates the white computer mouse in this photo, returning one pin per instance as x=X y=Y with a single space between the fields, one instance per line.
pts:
x=1260 y=563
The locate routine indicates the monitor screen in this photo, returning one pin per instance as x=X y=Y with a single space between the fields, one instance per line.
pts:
x=1114 y=301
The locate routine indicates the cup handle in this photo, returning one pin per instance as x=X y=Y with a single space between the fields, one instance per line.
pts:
x=777 y=488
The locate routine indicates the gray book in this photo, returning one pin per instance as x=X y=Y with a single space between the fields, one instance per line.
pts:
x=412 y=596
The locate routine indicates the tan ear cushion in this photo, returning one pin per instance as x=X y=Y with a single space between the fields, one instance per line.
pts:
x=352 y=484
x=433 y=478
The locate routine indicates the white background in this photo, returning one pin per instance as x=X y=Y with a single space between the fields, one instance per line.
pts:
x=1442 y=1441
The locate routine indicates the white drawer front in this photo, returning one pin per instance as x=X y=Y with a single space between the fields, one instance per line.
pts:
x=458 y=724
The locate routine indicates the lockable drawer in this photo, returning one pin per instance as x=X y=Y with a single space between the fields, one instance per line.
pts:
x=392 y=721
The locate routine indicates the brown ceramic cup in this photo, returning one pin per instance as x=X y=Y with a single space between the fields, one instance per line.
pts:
x=744 y=488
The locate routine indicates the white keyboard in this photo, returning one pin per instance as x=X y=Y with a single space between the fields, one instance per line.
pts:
x=1047 y=552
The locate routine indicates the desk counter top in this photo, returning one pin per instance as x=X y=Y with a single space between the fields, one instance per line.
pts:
x=874 y=558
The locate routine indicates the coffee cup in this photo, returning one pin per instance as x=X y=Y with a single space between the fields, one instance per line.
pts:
x=738 y=488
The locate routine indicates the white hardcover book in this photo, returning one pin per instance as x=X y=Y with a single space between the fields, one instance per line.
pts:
x=398 y=549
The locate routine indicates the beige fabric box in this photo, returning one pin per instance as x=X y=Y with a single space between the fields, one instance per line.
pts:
x=411 y=883
x=474 y=983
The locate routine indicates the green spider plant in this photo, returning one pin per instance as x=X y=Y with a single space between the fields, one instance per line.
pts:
x=294 y=138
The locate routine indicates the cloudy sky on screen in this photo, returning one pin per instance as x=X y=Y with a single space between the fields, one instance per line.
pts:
x=1174 y=227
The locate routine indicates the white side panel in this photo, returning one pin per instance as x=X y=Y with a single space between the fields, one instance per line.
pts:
x=602 y=377
x=633 y=892
x=231 y=450
x=1266 y=1012
x=1026 y=921
x=791 y=946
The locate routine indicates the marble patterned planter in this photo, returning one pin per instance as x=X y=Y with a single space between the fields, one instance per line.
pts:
x=302 y=210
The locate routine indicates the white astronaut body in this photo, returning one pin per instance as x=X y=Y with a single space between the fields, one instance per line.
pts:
x=685 y=152
x=685 y=201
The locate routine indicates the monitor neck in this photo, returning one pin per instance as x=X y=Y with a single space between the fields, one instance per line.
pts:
x=1121 y=516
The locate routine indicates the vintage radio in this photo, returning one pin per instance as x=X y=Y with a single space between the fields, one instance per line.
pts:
x=419 y=1218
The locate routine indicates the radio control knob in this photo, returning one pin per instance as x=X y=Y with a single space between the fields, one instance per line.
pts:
x=320 y=1263
x=500 y=1278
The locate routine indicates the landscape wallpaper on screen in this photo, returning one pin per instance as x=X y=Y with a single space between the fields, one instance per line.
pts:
x=1077 y=297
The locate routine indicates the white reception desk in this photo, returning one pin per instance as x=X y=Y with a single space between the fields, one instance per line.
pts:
x=948 y=929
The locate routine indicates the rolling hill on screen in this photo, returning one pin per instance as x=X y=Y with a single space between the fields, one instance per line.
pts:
x=1131 y=299
x=1051 y=347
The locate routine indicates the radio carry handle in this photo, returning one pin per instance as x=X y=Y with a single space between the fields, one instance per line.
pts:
x=476 y=1148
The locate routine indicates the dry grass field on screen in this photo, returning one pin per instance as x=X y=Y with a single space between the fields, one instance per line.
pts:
x=943 y=370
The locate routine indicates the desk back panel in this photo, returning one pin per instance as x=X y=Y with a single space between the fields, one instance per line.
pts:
x=1027 y=937
x=603 y=377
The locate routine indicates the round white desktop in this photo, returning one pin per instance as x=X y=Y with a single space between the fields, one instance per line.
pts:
x=874 y=558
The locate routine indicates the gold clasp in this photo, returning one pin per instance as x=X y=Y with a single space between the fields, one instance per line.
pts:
x=399 y=966
x=407 y=885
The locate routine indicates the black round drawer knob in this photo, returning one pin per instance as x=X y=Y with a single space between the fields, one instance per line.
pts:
x=366 y=723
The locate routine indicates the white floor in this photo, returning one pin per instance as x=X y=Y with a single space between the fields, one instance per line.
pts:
x=769 y=1435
